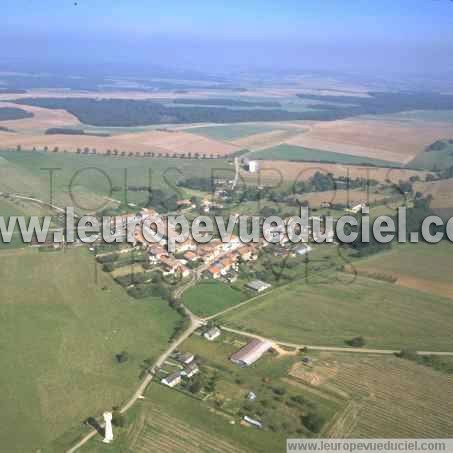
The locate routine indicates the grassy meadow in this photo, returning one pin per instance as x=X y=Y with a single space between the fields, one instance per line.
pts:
x=409 y=264
x=230 y=132
x=61 y=323
x=94 y=180
x=332 y=312
x=434 y=160
x=299 y=153
x=208 y=298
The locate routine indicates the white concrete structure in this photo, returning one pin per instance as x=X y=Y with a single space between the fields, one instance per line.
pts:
x=254 y=166
x=108 y=437
x=212 y=334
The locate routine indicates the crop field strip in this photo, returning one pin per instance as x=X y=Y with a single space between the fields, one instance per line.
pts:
x=162 y=432
x=395 y=398
x=299 y=153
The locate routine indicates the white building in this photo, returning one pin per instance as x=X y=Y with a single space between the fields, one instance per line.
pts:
x=172 y=379
x=252 y=421
x=254 y=166
x=190 y=370
x=258 y=286
x=251 y=352
x=212 y=333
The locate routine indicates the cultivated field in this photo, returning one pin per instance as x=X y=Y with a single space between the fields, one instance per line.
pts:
x=408 y=263
x=346 y=306
x=61 y=323
x=299 y=153
x=158 y=142
x=389 y=397
x=396 y=141
x=266 y=139
x=42 y=120
x=231 y=131
x=157 y=431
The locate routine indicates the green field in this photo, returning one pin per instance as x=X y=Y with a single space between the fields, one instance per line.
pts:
x=92 y=180
x=15 y=207
x=328 y=314
x=424 y=115
x=61 y=323
x=433 y=160
x=408 y=263
x=299 y=153
x=230 y=132
x=8 y=209
x=208 y=298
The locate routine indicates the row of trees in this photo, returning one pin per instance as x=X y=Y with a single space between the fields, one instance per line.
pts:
x=116 y=153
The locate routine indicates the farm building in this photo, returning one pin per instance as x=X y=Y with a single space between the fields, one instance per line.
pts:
x=251 y=352
x=172 y=379
x=358 y=208
x=212 y=333
x=190 y=370
x=184 y=357
x=251 y=396
x=258 y=286
x=252 y=421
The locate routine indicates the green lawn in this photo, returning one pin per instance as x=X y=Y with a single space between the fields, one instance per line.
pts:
x=61 y=323
x=328 y=314
x=230 y=132
x=208 y=298
x=299 y=153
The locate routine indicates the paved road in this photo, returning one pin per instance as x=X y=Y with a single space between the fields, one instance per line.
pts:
x=330 y=348
x=36 y=200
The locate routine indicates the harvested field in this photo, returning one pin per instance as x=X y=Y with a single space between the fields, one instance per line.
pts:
x=163 y=142
x=397 y=141
x=42 y=119
x=272 y=171
x=391 y=398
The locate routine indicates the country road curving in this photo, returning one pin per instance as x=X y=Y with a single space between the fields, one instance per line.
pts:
x=195 y=323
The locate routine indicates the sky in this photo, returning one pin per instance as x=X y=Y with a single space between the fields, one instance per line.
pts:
x=350 y=35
